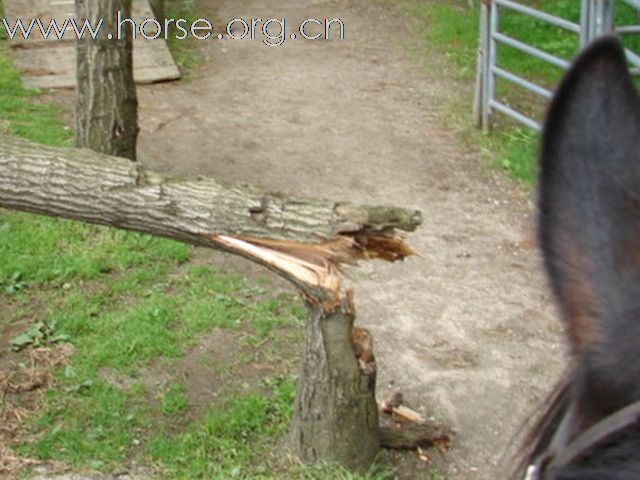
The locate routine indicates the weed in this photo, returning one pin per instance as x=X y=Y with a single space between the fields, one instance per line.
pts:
x=12 y=283
x=20 y=115
x=38 y=335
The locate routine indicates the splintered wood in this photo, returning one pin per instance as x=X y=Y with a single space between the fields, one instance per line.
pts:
x=318 y=265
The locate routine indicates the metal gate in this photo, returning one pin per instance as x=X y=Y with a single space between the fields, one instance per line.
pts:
x=596 y=18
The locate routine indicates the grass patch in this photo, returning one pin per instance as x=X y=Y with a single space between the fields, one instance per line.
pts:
x=228 y=440
x=185 y=52
x=164 y=310
x=20 y=114
x=452 y=27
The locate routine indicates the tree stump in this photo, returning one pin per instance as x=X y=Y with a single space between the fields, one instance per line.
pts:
x=336 y=414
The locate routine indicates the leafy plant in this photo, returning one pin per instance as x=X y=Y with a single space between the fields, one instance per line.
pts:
x=12 y=283
x=37 y=335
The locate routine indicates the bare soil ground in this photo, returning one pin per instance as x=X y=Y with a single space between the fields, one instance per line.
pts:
x=467 y=332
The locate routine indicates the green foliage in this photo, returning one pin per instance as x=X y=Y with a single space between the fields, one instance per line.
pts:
x=46 y=250
x=515 y=150
x=126 y=317
x=451 y=27
x=12 y=283
x=435 y=475
x=91 y=424
x=174 y=400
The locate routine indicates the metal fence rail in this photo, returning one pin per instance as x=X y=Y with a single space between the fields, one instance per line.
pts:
x=596 y=18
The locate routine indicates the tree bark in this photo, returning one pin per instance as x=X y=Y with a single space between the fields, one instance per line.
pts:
x=336 y=414
x=106 y=102
x=88 y=186
x=303 y=240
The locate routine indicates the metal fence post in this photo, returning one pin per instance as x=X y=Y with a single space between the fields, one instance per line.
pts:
x=492 y=58
x=585 y=22
x=480 y=105
x=602 y=17
x=489 y=54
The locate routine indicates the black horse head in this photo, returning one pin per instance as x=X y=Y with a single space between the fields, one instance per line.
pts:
x=590 y=237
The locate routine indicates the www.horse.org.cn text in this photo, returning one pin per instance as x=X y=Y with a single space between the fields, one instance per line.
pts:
x=272 y=31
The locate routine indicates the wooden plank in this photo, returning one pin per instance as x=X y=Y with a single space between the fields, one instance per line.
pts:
x=51 y=63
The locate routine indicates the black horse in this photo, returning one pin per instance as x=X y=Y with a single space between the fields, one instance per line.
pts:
x=589 y=229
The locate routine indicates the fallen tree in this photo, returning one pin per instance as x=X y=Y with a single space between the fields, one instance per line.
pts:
x=305 y=241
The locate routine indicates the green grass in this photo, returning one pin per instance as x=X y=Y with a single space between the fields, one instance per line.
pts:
x=174 y=400
x=226 y=442
x=451 y=26
x=452 y=29
x=20 y=114
x=185 y=52
x=138 y=314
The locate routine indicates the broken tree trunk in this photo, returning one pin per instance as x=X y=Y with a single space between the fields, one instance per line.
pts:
x=336 y=414
x=305 y=241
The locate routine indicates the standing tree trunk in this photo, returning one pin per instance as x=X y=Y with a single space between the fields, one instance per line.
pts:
x=106 y=105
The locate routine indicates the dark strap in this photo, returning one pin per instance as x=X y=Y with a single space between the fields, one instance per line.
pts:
x=597 y=434
x=557 y=457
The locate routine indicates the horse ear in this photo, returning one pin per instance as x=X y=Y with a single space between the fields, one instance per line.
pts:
x=589 y=196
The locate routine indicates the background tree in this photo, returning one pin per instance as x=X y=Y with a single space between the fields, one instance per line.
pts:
x=106 y=102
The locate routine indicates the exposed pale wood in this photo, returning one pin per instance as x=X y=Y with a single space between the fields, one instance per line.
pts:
x=406 y=414
x=394 y=400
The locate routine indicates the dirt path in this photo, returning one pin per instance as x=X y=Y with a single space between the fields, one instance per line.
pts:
x=466 y=332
